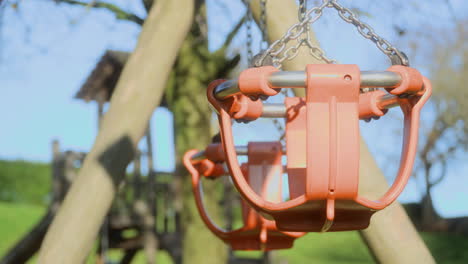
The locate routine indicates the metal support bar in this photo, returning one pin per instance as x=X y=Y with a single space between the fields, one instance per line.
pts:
x=384 y=79
x=388 y=101
x=240 y=150
x=279 y=110
x=298 y=79
x=274 y=110
x=293 y=79
x=226 y=89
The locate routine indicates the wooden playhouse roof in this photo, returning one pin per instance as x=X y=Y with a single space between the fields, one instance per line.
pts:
x=100 y=84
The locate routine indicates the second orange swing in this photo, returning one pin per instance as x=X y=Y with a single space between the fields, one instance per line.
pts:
x=264 y=164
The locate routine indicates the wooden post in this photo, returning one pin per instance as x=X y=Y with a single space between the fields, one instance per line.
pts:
x=149 y=236
x=136 y=180
x=58 y=177
x=143 y=212
x=138 y=92
x=167 y=209
x=100 y=113
x=128 y=256
x=151 y=172
x=150 y=240
x=391 y=237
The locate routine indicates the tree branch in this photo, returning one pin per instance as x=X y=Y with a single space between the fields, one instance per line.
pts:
x=118 y=12
x=438 y=128
x=442 y=175
x=452 y=11
x=233 y=33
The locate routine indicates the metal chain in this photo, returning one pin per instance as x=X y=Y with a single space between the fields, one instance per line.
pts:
x=278 y=51
x=249 y=38
x=105 y=239
x=302 y=9
x=280 y=129
x=302 y=16
x=263 y=25
x=396 y=56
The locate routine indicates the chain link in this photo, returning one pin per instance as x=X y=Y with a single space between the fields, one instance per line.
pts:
x=300 y=32
x=249 y=38
x=264 y=43
x=396 y=56
x=302 y=9
x=278 y=51
x=263 y=25
x=280 y=129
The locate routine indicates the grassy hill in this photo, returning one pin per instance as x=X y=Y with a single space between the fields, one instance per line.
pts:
x=24 y=182
x=16 y=220
x=328 y=248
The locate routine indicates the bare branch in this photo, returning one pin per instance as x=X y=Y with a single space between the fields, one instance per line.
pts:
x=442 y=175
x=433 y=137
x=233 y=33
x=118 y=12
x=452 y=11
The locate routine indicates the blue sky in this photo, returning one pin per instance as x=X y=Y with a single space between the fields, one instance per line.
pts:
x=48 y=50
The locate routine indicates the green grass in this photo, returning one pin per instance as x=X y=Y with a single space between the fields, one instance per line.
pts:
x=114 y=256
x=15 y=221
x=345 y=247
x=323 y=248
x=447 y=248
x=24 y=182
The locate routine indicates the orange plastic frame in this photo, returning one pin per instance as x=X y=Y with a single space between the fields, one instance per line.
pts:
x=322 y=142
x=263 y=172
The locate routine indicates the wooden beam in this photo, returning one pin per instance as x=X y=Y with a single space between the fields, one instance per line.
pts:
x=137 y=94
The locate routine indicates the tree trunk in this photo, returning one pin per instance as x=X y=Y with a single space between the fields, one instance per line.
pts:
x=391 y=237
x=192 y=116
x=430 y=219
x=138 y=92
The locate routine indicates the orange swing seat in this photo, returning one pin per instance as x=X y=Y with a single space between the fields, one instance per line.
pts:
x=322 y=142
